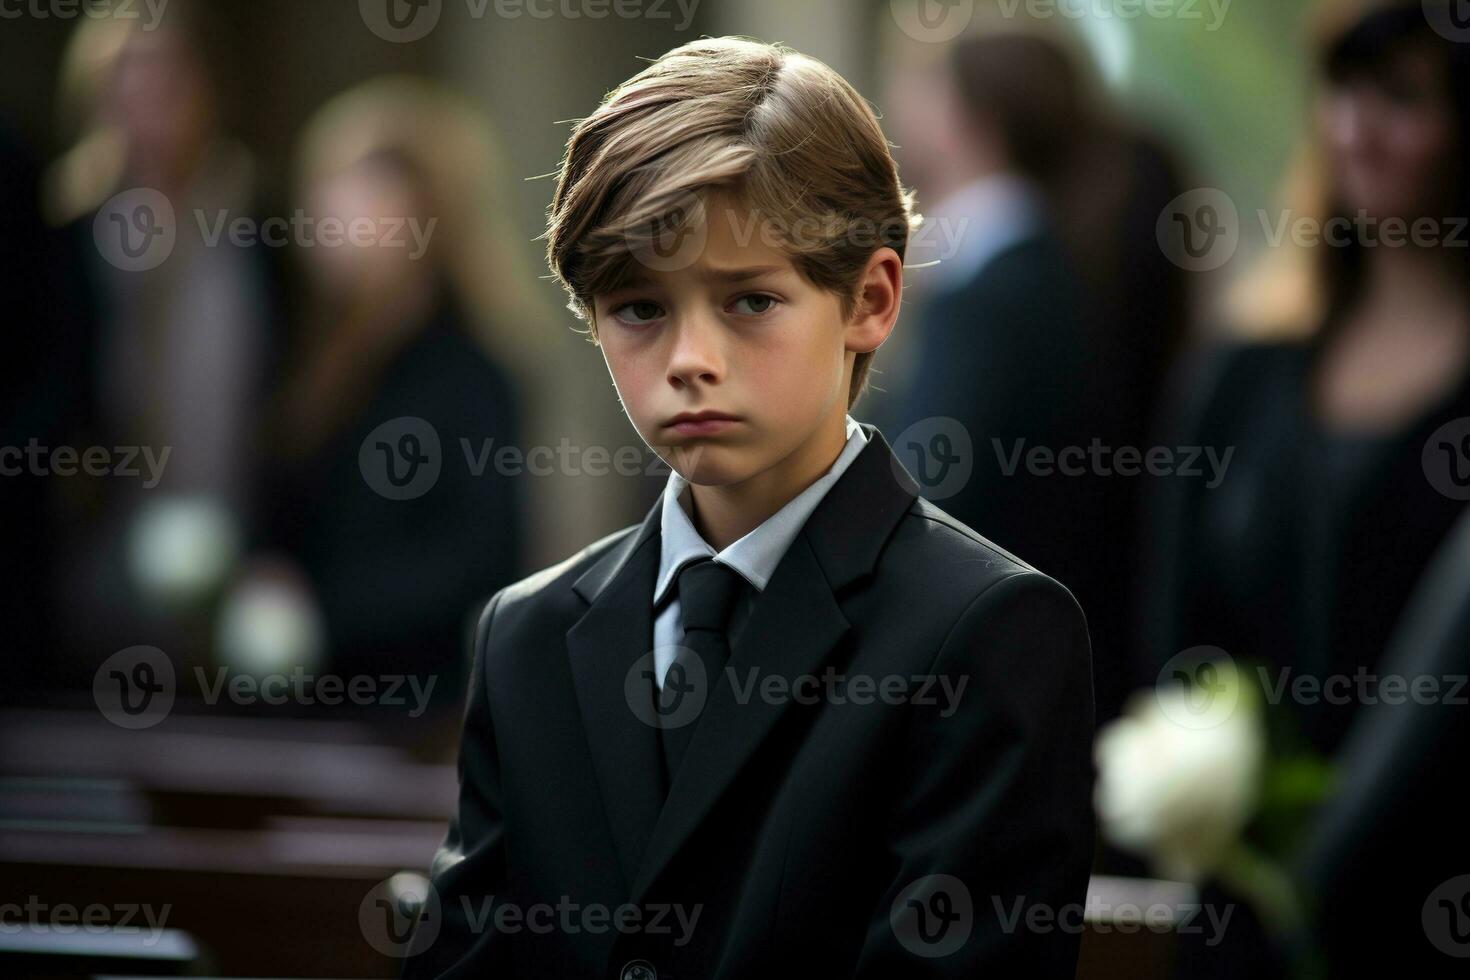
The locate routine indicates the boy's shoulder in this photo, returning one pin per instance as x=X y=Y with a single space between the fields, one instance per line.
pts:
x=937 y=534
x=929 y=553
x=556 y=581
x=938 y=563
x=547 y=602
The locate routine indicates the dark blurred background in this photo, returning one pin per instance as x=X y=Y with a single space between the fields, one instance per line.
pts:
x=288 y=395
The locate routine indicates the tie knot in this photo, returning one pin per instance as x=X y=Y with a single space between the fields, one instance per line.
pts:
x=707 y=594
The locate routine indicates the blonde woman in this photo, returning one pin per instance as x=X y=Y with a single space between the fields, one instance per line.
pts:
x=391 y=378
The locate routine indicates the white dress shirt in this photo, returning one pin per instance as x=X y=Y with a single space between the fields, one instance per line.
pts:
x=755 y=556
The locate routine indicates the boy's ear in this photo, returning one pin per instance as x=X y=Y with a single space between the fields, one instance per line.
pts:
x=879 y=293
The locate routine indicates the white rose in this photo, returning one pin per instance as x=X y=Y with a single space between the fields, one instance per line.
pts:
x=1174 y=789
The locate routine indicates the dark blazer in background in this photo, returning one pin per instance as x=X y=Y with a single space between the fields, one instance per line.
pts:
x=791 y=827
x=1304 y=558
x=1306 y=553
x=1393 y=832
x=1010 y=355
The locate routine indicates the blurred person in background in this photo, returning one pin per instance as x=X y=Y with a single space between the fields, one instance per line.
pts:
x=360 y=570
x=1052 y=317
x=177 y=339
x=1387 y=855
x=1305 y=555
x=1306 y=551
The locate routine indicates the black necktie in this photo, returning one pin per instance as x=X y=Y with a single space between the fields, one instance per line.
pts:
x=707 y=594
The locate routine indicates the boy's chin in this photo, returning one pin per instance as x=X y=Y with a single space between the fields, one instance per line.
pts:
x=708 y=465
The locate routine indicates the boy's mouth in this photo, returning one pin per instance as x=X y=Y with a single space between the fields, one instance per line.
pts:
x=701 y=423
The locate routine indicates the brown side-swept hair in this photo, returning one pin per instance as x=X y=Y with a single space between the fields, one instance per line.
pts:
x=783 y=132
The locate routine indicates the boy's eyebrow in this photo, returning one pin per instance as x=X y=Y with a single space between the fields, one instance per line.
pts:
x=738 y=274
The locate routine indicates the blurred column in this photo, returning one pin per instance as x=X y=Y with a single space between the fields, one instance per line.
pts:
x=533 y=74
x=838 y=34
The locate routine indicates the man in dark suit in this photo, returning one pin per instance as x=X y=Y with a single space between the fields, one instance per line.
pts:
x=799 y=721
x=1038 y=331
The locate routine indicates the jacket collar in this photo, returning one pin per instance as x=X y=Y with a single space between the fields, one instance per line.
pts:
x=875 y=491
x=756 y=554
x=790 y=632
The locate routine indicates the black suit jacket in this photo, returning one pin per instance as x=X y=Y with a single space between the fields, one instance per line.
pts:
x=795 y=827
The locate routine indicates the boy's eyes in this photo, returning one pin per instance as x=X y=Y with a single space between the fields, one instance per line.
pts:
x=641 y=312
x=638 y=312
x=762 y=301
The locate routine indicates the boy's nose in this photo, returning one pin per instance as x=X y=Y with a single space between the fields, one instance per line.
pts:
x=697 y=354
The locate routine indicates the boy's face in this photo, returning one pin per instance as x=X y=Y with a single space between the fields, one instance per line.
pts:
x=734 y=330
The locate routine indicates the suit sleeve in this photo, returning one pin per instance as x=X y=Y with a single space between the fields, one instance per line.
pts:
x=470 y=865
x=993 y=829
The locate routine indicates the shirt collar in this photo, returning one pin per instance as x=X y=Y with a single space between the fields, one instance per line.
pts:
x=755 y=555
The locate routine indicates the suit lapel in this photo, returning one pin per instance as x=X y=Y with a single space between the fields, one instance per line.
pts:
x=794 y=626
x=602 y=648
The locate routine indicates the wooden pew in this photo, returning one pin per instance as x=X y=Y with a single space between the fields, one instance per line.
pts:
x=261 y=838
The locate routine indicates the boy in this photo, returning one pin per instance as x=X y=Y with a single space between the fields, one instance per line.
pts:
x=799 y=721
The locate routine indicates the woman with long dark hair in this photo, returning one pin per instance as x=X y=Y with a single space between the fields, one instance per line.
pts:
x=1304 y=554
x=1337 y=496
